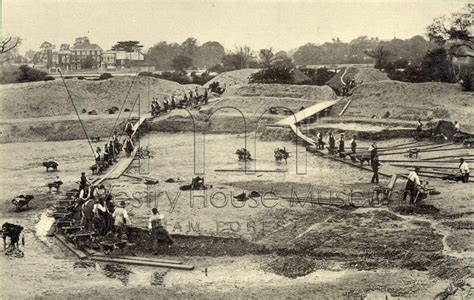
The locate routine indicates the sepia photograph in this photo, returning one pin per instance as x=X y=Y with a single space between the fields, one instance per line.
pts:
x=237 y=149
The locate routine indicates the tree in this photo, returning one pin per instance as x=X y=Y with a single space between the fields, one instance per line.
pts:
x=127 y=46
x=266 y=56
x=30 y=54
x=380 y=55
x=455 y=29
x=232 y=62
x=161 y=55
x=189 y=47
x=209 y=54
x=437 y=66
x=246 y=56
x=182 y=62
x=8 y=47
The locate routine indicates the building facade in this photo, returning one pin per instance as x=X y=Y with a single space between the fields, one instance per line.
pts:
x=84 y=55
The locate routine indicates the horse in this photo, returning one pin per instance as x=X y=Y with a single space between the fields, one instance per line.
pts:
x=51 y=164
x=281 y=154
x=243 y=154
x=13 y=232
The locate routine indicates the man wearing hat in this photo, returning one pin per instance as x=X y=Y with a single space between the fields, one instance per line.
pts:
x=121 y=218
x=413 y=182
x=464 y=168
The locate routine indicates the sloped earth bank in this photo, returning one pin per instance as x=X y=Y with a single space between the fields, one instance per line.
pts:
x=315 y=251
x=411 y=101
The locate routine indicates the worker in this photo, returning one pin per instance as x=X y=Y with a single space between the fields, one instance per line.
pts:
x=373 y=151
x=464 y=168
x=319 y=137
x=353 y=145
x=411 y=187
x=375 y=168
x=97 y=155
x=341 y=146
x=121 y=219
x=157 y=230
x=83 y=181
x=129 y=129
x=112 y=151
x=419 y=128
x=457 y=126
x=332 y=143
x=206 y=96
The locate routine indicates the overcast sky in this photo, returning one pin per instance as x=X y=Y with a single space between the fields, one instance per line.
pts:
x=283 y=25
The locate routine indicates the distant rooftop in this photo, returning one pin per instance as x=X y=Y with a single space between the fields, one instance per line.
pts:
x=86 y=46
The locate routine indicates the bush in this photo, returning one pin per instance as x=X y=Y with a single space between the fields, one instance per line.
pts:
x=28 y=74
x=273 y=75
x=216 y=68
x=466 y=82
x=317 y=76
x=105 y=76
x=201 y=79
x=48 y=78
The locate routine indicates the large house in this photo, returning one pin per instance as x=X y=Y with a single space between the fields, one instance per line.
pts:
x=85 y=55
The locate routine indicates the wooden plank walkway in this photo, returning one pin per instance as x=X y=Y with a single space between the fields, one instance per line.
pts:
x=121 y=166
x=307 y=112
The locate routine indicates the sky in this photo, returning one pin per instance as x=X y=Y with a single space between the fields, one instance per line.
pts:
x=282 y=25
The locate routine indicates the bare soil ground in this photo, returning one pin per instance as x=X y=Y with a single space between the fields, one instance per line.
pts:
x=411 y=101
x=323 y=250
x=232 y=78
x=306 y=92
x=50 y=98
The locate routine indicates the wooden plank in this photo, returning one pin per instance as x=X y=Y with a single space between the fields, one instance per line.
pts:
x=143 y=263
x=138 y=258
x=70 y=246
x=425 y=167
x=256 y=171
x=307 y=112
x=345 y=107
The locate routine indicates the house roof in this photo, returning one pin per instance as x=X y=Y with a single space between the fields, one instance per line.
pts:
x=86 y=46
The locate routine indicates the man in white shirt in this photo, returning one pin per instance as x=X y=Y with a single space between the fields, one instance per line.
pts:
x=411 y=187
x=464 y=168
x=157 y=230
x=121 y=218
x=457 y=126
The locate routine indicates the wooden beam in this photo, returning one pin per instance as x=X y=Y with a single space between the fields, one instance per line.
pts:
x=138 y=258
x=251 y=171
x=142 y=263
x=70 y=246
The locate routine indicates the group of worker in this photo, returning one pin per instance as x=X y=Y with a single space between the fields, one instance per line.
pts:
x=100 y=214
x=189 y=99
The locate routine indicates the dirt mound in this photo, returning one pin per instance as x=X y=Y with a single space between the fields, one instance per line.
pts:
x=411 y=101
x=307 y=92
x=50 y=98
x=258 y=105
x=290 y=266
x=232 y=78
x=359 y=75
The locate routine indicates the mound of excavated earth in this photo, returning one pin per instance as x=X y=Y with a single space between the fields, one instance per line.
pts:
x=50 y=98
x=307 y=92
x=232 y=78
x=411 y=101
x=359 y=75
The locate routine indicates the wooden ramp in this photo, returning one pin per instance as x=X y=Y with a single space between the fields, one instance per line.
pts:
x=300 y=135
x=124 y=162
x=307 y=112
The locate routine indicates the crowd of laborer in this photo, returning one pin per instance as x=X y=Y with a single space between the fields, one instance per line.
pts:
x=191 y=99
